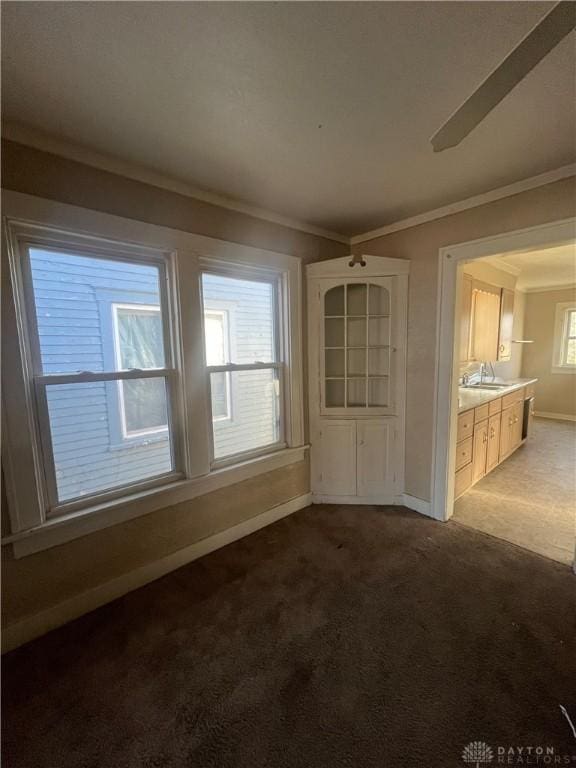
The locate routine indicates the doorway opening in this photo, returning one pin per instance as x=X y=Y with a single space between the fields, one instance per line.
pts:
x=505 y=453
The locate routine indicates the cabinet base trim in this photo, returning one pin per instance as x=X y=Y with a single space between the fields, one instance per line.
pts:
x=318 y=498
x=557 y=416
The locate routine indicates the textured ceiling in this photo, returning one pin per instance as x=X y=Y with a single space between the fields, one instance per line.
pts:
x=318 y=111
x=544 y=267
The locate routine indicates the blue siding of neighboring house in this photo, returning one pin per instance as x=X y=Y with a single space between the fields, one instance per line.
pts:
x=254 y=418
x=74 y=297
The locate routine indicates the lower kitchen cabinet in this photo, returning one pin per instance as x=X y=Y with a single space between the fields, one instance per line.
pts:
x=487 y=435
x=511 y=429
x=480 y=449
x=463 y=481
x=493 y=450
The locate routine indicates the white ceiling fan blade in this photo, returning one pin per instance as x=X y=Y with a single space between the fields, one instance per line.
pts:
x=534 y=47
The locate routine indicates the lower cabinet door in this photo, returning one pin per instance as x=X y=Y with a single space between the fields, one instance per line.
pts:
x=463 y=480
x=493 y=453
x=506 y=429
x=479 y=451
x=335 y=458
x=374 y=453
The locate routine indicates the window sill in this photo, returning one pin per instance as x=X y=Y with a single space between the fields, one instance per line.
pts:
x=76 y=524
x=563 y=369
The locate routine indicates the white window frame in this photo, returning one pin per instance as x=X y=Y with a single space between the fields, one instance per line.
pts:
x=137 y=309
x=561 y=337
x=184 y=255
x=225 y=315
x=280 y=364
x=37 y=381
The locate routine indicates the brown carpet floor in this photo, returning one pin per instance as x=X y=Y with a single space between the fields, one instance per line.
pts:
x=340 y=636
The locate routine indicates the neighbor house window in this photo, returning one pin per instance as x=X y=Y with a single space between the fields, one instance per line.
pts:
x=565 y=338
x=244 y=367
x=217 y=339
x=71 y=330
x=139 y=345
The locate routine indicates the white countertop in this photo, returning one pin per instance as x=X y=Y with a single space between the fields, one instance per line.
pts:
x=472 y=398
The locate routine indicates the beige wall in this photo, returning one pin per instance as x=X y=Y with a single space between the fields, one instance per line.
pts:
x=555 y=392
x=39 y=173
x=37 y=582
x=421 y=244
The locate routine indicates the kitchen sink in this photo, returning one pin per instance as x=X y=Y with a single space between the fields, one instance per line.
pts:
x=485 y=386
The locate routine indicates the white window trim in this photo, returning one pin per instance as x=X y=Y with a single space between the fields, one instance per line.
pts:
x=137 y=308
x=189 y=254
x=561 y=327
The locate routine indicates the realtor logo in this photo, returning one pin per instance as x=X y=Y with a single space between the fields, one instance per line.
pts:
x=477 y=753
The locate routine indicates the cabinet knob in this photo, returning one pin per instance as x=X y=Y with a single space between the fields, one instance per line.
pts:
x=501 y=347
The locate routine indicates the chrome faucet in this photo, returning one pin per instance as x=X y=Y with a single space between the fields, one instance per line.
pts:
x=465 y=379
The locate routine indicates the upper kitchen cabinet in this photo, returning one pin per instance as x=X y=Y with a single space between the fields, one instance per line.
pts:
x=486 y=321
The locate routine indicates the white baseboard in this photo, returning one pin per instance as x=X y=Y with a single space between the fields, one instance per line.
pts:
x=557 y=416
x=40 y=623
x=418 y=505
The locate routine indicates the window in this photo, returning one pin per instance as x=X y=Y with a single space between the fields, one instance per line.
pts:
x=243 y=363
x=134 y=368
x=564 y=360
x=138 y=345
x=70 y=331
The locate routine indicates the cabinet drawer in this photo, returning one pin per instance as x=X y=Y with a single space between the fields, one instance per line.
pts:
x=463 y=481
x=463 y=453
x=512 y=398
x=480 y=413
x=465 y=426
x=530 y=390
x=495 y=406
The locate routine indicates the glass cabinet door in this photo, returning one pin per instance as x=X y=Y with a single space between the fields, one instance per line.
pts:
x=357 y=346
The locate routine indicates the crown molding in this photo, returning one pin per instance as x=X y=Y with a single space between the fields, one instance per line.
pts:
x=546 y=288
x=39 y=140
x=32 y=137
x=525 y=185
x=498 y=263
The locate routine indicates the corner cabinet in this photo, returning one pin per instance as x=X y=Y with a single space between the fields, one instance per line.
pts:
x=357 y=371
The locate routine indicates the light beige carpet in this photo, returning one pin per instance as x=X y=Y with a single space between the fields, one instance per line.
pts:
x=530 y=499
